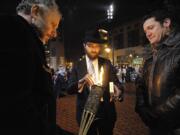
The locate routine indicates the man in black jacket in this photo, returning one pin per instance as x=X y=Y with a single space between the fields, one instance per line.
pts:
x=85 y=74
x=158 y=90
x=26 y=100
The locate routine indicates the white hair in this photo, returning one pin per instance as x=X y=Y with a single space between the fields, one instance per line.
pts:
x=25 y=5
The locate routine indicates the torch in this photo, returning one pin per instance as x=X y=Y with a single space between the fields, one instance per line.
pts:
x=92 y=105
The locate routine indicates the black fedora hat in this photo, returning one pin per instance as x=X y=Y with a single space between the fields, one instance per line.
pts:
x=94 y=36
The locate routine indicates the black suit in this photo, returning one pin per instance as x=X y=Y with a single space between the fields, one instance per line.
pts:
x=106 y=110
x=27 y=104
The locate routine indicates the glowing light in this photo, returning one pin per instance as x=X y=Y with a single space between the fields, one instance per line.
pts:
x=108 y=50
x=130 y=55
x=101 y=76
x=110 y=11
x=111 y=8
x=111 y=87
x=103 y=31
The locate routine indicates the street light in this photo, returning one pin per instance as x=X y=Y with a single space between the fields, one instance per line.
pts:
x=110 y=11
x=108 y=50
x=130 y=55
x=103 y=31
x=111 y=8
x=104 y=34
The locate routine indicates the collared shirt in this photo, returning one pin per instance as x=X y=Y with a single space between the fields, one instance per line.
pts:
x=96 y=69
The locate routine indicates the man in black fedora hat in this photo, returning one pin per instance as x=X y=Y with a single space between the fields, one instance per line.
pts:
x=85 y=74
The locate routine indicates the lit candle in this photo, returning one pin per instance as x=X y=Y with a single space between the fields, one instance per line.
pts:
x=111 y=87
x=100 y=80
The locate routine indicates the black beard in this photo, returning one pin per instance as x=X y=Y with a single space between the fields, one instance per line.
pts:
x=92 y=58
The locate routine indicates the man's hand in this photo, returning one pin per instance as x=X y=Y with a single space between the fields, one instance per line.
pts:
x=87 y=79
x=117 y=91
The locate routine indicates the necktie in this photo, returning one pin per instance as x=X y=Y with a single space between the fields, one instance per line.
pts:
x=92 y=70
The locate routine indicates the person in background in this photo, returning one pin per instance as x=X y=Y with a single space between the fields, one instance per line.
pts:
x=28 y=105
x=60 y=84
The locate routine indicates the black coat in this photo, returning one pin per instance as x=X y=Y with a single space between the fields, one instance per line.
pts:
x=60 y=85
x=107 y=109
x=27 y=103
x=158 y=90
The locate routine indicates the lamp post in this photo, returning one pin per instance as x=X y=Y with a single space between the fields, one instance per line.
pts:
x=110 y=13
x=108 y=51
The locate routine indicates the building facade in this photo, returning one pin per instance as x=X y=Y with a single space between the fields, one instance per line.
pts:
x=128 y=43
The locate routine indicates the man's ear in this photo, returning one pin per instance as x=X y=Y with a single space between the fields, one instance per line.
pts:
x=167 y=22
x=34 y=11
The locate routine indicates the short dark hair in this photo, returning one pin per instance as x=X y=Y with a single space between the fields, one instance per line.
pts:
x=25 y=5
x=160 y=15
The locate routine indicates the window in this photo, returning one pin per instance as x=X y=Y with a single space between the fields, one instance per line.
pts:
x=133 y=38
x=119 y=41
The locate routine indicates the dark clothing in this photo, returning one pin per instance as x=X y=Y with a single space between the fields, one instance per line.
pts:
x=27 y=102
x=158 y=91
x=101 y=127
x=107 y=109
x=60 y=85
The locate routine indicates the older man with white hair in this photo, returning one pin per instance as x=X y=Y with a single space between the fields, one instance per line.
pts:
x=27 y=101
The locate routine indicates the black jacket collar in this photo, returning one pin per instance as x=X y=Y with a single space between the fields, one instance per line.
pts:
x=171 y=41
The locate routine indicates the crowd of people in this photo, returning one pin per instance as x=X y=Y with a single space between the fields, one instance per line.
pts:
x=60 y=80
x=127 y=73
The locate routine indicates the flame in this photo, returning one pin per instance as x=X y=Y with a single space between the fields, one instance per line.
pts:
x=101 y=76
x=111 y=87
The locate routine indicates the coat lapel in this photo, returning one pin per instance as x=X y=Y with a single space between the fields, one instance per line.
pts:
x=82 y=68
x=82 y=71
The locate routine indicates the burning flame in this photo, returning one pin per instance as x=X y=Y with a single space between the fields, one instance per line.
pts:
x=100 y=82
x=111 y=87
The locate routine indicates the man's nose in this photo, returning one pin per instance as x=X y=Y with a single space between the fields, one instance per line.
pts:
x=148 y=34
x=54 y=34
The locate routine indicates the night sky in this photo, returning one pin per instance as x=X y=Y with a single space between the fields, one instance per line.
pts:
x=81 y=15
